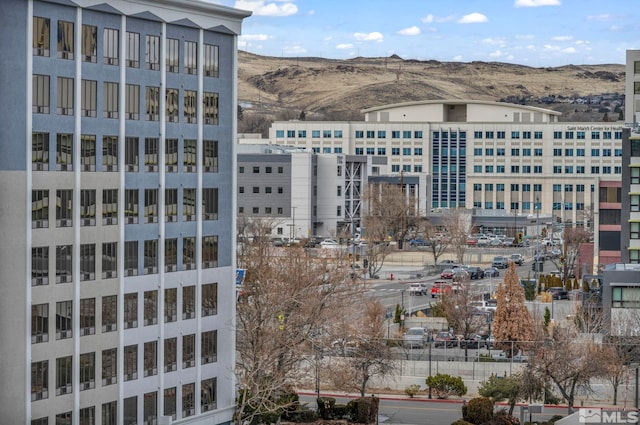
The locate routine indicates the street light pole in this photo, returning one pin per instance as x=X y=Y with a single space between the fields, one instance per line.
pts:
x=535 y=259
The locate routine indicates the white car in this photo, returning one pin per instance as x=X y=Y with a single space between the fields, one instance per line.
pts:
x=415 y=337
x=417 y=289
x=329 y=243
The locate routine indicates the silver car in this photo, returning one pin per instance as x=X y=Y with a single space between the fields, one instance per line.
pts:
x=415 y=337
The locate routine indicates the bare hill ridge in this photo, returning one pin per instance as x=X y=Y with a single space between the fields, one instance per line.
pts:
x=280 y=88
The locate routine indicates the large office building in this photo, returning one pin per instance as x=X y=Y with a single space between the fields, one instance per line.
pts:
x=117 y=178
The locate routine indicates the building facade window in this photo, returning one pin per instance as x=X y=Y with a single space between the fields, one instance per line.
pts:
x=109 y=313
x=64 y=96
x=64 y=373
x=151 y=256
x=110 y=100
x=131 y=310
x=150 y=358
x=111 y=46
x=211 y=61
x=87 y=316
x=172 y=54
x=191 y=57
x=210 y=108
x=39 y=209
x=109 y=366
x=87 y=262
x=188 y=302
x=132 y=103
x=152 y=52
x=87 y=371
x=39 y=323
x=190 y=107
x=65 y=40
x=88 y=98
x=188 y=351
x=64 y=207
x=209 y=252
x=41 y=98
x=39 y=380
x=130 y=364
x=188 y=253
x=150 y=312
x=152 y=103
x=133 y=49
x=209 y=346
x=41 y=36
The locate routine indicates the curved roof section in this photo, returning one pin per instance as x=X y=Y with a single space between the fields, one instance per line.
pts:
x=456 y=110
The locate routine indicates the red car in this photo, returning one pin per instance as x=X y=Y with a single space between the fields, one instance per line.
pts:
x=440 y=288
x=446 y=274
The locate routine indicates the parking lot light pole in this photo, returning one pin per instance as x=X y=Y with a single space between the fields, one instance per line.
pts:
x=430 y=344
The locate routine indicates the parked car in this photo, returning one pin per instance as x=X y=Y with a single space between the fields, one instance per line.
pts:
x=440 y=288
x=517 y=258
x=491 y=272
x=329 y=243
x=445 y=339
x=417 y=289
x=474 y=341
x=415 y=337
x=451 y=263
x=500 y=262
x=461 y=276
x=418 y=242
x=475 y=272
x=446 y=274
x=488 y=342
x=553 y=253
x=558 y=293
x=472 y=241
x=508 y=241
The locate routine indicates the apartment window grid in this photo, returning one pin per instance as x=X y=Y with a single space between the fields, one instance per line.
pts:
x=208 y=390
x=64 y=152
x=41 y=95
x=190 y=107
x=210 y=155
x=189 y=204
x=64 y=96
x=87 y=207
x=39 y=323
x=211 y=60
x=131 y=310
x=39 y=209
x=210 y=204
x=87 y=371
x=209 y=347
x=188 y=302
x=132 y=102
x=150 y=358
x=151 y=256
x=65 y=40
x=172 y=105
x=109 y=313
x=87 y=316
x=209 y=251
x=110 y=100
x=172 y=54
x=189 y=253
x=130 y=362
x=64 y=263
x=152 y=103
x=40 y=380
x=111 y=46
x=109 y=153
x=191 y=57
x=131 y=206
x=151 y=146
x=133 y=50
x=152 y=52
x=87 y=262
x=170 y=354
x=64 y=207
x=109 y=207
x=64 y=319
x=188 y=400
x=150 y=308
x=171 y=155
x=88 y=101
x=210 y=108
x=39 y=266
x=170 y=305
x=40 y=151
x=41 y=36
x=109 y=260
x=64 y=371
x=88 y=152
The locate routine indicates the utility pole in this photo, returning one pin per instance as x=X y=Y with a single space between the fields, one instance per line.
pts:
x=535 y=258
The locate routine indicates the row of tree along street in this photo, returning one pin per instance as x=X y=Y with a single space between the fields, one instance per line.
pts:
x=296 y=307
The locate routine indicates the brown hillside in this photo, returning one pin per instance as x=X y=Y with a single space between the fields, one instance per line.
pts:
x=279 y=88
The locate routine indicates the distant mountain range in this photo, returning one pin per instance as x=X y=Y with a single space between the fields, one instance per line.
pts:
x=273 y=88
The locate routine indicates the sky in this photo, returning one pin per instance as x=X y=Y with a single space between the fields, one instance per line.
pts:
x=535 y=33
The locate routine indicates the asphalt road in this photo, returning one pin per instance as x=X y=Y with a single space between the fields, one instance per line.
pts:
x=401 y=410
x=395 y=292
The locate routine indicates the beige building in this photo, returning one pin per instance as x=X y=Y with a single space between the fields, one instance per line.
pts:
x=504 y=158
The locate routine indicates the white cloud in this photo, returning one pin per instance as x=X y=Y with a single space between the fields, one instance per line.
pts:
x=457 y=58
x=344 y=46
x=494 y=41
x=562 y=38
x=311 y=12
x=429 y=19
x=410 y=31
x=473 y=18
x=254 y=37
x=615 y=28
x=525 y=37
x=496 y=54
x=536 y=3
x=372 y=36
x=569 y=50
x=603 y=17
x=261 y=8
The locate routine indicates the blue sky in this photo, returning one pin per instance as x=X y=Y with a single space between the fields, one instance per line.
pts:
x=527 y=32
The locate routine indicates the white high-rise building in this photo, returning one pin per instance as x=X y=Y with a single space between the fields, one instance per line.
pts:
x=117 y=177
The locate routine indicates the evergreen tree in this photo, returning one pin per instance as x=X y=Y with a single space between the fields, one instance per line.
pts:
x=512 y=323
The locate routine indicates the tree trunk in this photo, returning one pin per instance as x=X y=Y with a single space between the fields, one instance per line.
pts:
x=615 y=394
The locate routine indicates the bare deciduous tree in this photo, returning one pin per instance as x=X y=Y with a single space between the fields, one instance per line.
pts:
x=371 y=356
x=389 y=215
x=432 y=236
x=512 y=323
x=462 y=314
x=288 y=298
x=568 y=361
x=458 y=225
